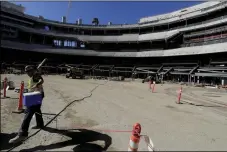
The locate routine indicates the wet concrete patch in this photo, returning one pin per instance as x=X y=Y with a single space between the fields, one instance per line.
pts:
x=83 y=122
x=78 y=121
x=68 y=115
x=177 y=110
x=168 y=106
x=139 y=97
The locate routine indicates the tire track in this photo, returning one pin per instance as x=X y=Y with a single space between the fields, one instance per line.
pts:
x=189 y=92
x=218 y=108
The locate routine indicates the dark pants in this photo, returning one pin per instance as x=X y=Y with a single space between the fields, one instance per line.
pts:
x=30 y=111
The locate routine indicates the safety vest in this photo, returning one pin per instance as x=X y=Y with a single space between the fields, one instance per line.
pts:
x=31 y=83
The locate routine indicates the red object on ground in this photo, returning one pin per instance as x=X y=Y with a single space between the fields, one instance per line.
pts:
x=20 y=104
x=179 y=95
x=135 y=138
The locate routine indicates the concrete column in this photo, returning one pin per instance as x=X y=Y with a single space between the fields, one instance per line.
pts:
x=62 y=43
x=43 y=40
x=194 y=80
x=198 y=79
x=223 y=80
x=30 y=38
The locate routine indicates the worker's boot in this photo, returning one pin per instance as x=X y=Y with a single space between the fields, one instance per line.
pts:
x=17 y=139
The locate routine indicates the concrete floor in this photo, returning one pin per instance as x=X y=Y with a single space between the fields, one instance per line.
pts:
x=116 y=106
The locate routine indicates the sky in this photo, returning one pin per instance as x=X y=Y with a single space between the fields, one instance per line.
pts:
x=115 y=12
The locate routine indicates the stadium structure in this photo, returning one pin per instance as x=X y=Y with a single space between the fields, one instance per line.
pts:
x=188 y=44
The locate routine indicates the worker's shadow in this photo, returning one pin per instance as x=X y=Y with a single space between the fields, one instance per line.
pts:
x=79 y=138
x=4 y=141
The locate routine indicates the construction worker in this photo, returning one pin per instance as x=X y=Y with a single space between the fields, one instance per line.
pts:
x=34 y=84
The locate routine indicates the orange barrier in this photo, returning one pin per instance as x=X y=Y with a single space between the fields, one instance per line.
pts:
x=153 y=87
x=179 y=95
x=135 y=138
x=5 y=86
x=20 y=102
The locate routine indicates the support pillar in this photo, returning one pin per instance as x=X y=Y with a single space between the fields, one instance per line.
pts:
x=30 y=38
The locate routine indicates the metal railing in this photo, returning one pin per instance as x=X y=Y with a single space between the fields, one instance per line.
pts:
x=217 y=5
x=214 y=41
x=201 y=23
x=211 y=31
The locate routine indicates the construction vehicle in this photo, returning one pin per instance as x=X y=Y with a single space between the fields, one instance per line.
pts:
x=74 y=72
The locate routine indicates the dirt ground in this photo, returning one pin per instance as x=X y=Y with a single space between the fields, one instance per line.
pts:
x=95 y=123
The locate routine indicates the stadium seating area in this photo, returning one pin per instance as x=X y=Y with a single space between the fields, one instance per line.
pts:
x=198 y=33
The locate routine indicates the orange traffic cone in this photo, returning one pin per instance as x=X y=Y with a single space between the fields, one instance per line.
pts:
x=20 y=104
x=179 y=95
x=4 y=88
x=135 y=138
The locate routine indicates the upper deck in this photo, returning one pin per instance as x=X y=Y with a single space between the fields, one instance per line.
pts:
x=179 y=15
